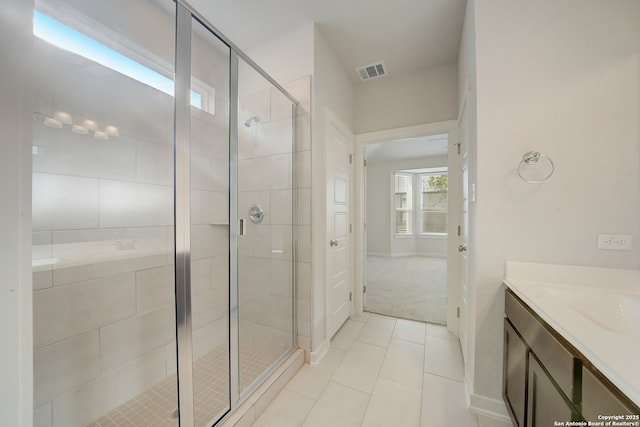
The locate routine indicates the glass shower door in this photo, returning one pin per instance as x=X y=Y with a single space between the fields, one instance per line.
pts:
x=103 y=257
x=162 y=218
x=265 y=206
x=209 y=203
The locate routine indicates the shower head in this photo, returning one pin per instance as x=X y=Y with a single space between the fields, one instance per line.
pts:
x=251 y=120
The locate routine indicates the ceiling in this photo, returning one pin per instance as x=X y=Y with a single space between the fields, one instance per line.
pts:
x=408 y=148
x=408 y=35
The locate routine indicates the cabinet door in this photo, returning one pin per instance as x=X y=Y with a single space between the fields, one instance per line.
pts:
x=599 y=398
x=546 y=404
x=515 y=374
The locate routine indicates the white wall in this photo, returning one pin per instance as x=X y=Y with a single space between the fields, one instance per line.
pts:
x=332 y=90
x=287 y=57
x=425 y=96
x=16 y=351
x=380 y=238
x=562 y=78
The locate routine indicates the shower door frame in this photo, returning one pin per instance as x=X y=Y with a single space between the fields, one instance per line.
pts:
x=184 y=19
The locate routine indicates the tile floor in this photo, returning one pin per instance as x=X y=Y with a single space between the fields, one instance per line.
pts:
x=379 y=371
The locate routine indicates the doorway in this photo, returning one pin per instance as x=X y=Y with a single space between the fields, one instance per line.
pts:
x=404 y=261
x=406 y=209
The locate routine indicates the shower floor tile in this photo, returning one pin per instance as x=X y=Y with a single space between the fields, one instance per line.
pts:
x=157 y=406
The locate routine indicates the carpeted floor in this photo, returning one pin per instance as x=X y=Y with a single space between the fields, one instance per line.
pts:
x=411 y=287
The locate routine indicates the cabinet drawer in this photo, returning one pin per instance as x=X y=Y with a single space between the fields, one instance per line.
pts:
x=599 y=399
x=560 y=362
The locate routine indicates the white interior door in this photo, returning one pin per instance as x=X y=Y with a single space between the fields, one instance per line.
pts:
x=464 y=231
x=338 y=241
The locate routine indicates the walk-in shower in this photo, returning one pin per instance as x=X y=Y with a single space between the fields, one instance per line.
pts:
x=152 y=304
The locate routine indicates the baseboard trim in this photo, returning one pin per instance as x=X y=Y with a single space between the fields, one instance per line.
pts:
x=316 y=356
x=406 y=254
x=487 y=406
x=432 y=255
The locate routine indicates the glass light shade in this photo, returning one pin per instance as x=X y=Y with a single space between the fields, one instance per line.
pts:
x=100 y=135
x=63 y=117
x=90 y=124
x=79 y=130
x=111 y=130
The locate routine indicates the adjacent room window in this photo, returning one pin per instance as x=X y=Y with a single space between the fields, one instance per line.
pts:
x=434 y=203
x=426 y=190
x=403 y=197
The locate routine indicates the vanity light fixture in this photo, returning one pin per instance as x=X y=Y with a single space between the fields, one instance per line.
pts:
x=80 y=130
x=111 y=130
x=90 y=124
x=98 y=134
x=52 y=123
x=63 y=117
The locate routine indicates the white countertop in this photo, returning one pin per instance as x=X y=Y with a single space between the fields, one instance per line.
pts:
x=596 y=309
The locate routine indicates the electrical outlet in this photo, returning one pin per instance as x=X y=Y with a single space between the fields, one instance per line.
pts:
x=615 y=242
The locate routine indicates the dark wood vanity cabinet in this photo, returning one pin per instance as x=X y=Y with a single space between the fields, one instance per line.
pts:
x=546 y=404
x=515 y=374
x=599 y=399
x=546 y=380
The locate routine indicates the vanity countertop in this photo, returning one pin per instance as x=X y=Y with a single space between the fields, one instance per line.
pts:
x=595 y=309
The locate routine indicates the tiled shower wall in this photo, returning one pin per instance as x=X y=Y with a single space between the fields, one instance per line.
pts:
x=104 y=323
x=104 y=319
x=265 y=253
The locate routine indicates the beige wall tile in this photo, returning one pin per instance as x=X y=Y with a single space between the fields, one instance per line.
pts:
x=155 y=288
x=42 y=416
x=125 y=204
x=154 y=163
x=125 y=341
x=209 y=337
x=60 y=367
x=64 y=202
x=65 y=311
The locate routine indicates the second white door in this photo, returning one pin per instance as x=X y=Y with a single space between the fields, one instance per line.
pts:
x=339 y=143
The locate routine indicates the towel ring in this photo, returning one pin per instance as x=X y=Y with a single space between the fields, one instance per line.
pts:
x=531 y=158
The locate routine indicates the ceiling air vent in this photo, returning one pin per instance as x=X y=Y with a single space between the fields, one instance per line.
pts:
x=371 y=71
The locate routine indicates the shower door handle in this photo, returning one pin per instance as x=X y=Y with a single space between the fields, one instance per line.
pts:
x=242 y=231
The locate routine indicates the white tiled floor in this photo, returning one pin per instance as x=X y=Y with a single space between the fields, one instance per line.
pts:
x=379 y=371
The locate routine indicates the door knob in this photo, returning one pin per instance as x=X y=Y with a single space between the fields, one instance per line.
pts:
x=333 y=243
x=462 y=248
